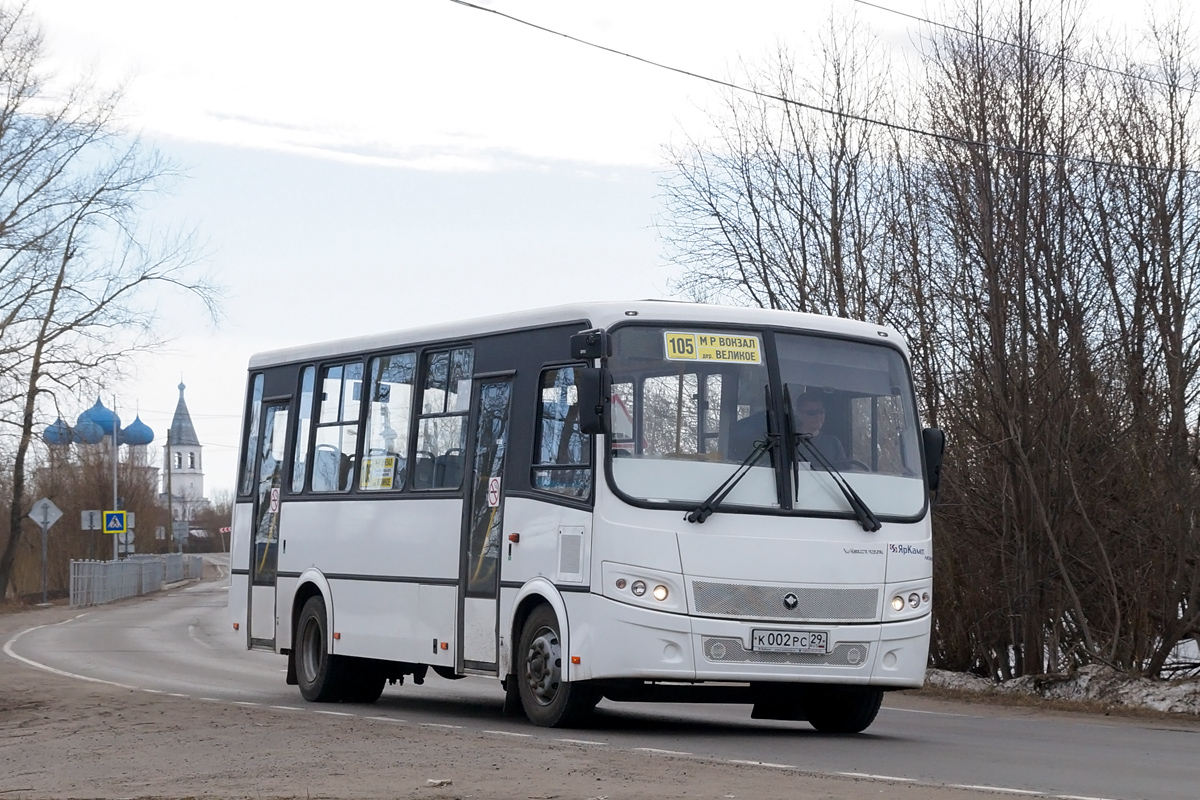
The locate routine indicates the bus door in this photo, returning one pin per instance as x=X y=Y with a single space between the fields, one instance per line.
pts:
x=479 y=579
x=265 y=534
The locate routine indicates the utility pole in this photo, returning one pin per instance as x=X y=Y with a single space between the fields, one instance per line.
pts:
x=115 y=538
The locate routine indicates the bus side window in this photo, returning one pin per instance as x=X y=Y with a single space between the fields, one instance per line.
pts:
x=337 y=427
x=299 y=462
x=250 y=455
x=385 y=444
x=562 y=455
x=442 y=428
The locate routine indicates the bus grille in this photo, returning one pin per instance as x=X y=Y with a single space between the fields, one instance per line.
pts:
x=770 y=602
x=729 y=650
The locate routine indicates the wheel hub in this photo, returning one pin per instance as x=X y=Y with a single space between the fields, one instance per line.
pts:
x=543 y=666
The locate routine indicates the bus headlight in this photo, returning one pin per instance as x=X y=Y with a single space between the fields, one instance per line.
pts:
x=648 y=588
x=898 y=603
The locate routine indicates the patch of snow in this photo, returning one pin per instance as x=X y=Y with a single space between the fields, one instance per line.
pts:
x=1093 y=683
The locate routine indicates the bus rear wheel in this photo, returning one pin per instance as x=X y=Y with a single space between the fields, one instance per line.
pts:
x=548 y=700
x=318 y=672
x=842 y=709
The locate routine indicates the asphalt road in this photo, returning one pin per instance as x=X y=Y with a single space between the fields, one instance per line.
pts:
x=181 y=643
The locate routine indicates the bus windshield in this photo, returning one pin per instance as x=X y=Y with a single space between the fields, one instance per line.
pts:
x=690 y=404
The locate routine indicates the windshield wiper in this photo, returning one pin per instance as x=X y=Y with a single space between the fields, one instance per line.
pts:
x=866 y=517
x=706 y=509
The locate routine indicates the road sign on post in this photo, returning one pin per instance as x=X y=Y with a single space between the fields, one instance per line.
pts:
x=45 y=514
x=90 y=520
x=114 y=522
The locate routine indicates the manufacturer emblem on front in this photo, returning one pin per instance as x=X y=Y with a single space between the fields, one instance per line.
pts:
x=790 y=601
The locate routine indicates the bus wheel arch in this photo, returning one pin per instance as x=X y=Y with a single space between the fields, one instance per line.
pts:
x=549 y=700
x=538 y=591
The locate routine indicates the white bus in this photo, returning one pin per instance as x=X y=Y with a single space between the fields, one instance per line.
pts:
x=647 y=501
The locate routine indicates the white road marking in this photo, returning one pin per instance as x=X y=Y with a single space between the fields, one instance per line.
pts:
x=509 y=733
x=1078 y=797
x=388 y=719
x=244 y=703
x=876 y=777
x=176 y=694
x=287 y=708
x=37 y=665
x=662 y=752
x=439 y=725
x=212 y=700
x=933 y=713
x=334 y=713
x=1003 y=789
x=154 y=691
x=764 y=764
x=582 y=741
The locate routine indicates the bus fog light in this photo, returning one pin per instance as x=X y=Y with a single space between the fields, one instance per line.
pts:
x=638 y=588
x=914 y=599
x=898 y=603
x=660 y=592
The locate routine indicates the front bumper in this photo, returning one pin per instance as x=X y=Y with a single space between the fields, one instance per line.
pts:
x=617 y=640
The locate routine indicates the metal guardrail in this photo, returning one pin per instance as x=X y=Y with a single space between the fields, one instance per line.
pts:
x=97 y=582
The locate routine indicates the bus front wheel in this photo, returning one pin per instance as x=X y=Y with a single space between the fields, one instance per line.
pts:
x=548 y=700
x=842 y=709
x=318 y=672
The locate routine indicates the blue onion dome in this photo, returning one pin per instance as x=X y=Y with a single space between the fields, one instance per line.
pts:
x=57 y=435
x=137 y=434
x=108 y=421
x=86 y=431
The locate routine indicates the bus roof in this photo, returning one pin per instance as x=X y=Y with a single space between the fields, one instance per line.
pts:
x=597 y=315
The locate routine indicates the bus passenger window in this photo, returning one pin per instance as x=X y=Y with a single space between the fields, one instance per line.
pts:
x=563 y=455
x=385 y=446
x=442 y=429
x=337 y=428
x=299 y=462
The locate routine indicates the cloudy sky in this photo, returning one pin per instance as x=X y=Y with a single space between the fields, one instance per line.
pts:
x=373 y=164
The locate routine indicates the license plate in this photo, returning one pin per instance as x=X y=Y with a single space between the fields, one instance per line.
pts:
x=772 y=641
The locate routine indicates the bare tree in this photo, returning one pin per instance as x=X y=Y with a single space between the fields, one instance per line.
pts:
x=790 y=208
x=75 y=269
x=1032 y=222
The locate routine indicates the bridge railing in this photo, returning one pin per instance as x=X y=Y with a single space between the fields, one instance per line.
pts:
x=97 y=582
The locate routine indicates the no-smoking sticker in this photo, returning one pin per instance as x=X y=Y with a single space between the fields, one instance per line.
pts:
x=493 y=492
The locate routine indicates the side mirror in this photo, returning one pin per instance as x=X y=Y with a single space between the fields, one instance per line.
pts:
x=595 y=399
x=935 y=447
x=590 y=345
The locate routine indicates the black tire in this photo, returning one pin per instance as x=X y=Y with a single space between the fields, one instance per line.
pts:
x=548 y=700
x=363 y=683
x=318 y=672
x=842 y=709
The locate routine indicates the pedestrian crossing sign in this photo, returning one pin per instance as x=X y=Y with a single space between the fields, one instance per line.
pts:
x=114 y=522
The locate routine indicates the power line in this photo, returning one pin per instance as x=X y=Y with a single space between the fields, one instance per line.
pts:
x=1025 y=48
x=944 y=137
